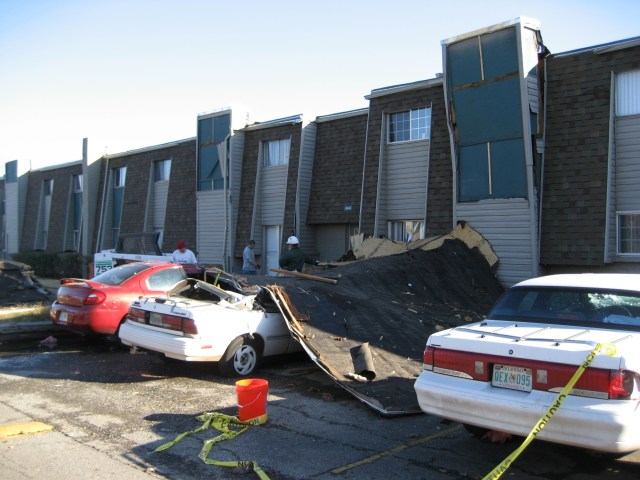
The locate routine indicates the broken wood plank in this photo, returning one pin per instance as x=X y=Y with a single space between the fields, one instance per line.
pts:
x=305 y=275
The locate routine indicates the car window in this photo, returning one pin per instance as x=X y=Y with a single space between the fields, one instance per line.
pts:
x=117 y=275
x=166 y=279
x=569 y=306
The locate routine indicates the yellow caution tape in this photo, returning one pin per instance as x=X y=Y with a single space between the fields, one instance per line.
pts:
x=497 y=472
x=230 y=427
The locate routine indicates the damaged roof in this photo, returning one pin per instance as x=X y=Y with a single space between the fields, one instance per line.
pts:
x=368 y=329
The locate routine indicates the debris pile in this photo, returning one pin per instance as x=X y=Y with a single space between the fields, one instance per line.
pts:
x=19 y=286
x=368 y=331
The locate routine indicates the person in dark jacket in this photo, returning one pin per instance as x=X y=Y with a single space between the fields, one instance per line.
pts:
x=295 y=258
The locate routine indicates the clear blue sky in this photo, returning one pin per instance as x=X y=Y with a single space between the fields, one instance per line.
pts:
x=135 y=73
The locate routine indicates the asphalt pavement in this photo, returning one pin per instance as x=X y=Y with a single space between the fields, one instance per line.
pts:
x=30 y=449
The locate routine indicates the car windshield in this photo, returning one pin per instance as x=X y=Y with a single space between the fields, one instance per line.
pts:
x=120 y=274
x=567 y=306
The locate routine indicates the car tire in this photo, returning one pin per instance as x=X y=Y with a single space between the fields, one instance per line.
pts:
x=242 y=357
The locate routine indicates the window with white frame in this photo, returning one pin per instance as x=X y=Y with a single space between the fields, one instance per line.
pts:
x=406 y=230
x=410 y=125
x=629 y=233
x=276 y=152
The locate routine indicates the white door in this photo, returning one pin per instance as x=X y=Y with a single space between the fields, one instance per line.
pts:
x=272 y=247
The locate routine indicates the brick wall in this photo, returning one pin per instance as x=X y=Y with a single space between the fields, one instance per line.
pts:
x=180 y=217
x=58 y=215
x=574 y=205
x=250 y=159
x=337 y=170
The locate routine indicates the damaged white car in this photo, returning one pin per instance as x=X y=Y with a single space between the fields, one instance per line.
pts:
x=203 y=322
x=502 y=374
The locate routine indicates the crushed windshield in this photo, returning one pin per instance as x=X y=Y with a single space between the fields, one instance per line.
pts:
x=569 y=306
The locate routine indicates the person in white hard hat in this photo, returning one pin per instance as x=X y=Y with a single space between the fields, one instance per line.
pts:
x=295 y=258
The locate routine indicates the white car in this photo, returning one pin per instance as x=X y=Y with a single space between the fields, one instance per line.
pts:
x=205 y=323
x=505 y=372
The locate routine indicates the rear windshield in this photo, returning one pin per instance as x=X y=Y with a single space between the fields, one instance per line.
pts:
x=117 y=275
x=565 y=306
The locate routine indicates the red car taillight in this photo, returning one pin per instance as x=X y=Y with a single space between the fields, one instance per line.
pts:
x=96 y=297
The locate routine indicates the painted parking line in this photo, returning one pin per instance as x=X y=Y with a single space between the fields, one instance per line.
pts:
x=397 y=449
x=13 y=429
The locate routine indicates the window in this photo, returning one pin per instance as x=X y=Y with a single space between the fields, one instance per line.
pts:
x=166 y=279
x=44 y=215
x=406 y=230
x=410 y=125
x=629 y=233
x=119 y=176
x=77 y=184
x=276 y=152
x=161 y=170
x=77 y=210
x=213 y=150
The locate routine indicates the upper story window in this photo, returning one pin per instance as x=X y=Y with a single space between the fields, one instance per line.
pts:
x=213 y=150
x=161 y=170
x=119 y=176
x=276 y=152
x=77 y=184
x=47 y=187
x=410 y=125
x=629 y=233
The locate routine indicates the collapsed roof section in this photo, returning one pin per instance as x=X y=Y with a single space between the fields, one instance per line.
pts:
x=369 y=329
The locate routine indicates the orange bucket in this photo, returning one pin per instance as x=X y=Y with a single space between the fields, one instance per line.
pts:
x=252 y=398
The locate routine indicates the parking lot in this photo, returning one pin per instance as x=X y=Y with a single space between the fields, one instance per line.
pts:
x=126 y=405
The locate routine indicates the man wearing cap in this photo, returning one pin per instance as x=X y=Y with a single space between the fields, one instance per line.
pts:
x=182 y=254
x=294 y=258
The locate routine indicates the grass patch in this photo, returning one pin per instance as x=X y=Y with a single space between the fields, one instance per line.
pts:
x=24 y=314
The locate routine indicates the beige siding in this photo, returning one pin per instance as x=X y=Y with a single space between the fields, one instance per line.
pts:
x=210 y=232
x=506 y=224
x=159 y=204
x=273 y=186
x=305 y=172
x=407 y=168
x=13 y=218
x=628 y=163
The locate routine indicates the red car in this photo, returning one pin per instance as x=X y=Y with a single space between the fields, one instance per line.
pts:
x=101 y=304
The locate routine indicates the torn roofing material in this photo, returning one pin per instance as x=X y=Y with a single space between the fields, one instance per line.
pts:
x=377 y=317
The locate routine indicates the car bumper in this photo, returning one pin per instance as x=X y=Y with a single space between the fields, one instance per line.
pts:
x=84 y=319
x=173 y=346
x=604 y=425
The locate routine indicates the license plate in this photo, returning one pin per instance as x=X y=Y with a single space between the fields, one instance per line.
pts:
x=64 y=316
x=155 y=319
x=515 y=378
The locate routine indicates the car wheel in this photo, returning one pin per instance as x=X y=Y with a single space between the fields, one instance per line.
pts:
x=241 y=358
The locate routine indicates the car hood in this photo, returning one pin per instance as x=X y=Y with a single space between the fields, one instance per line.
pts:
x=548 y=343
